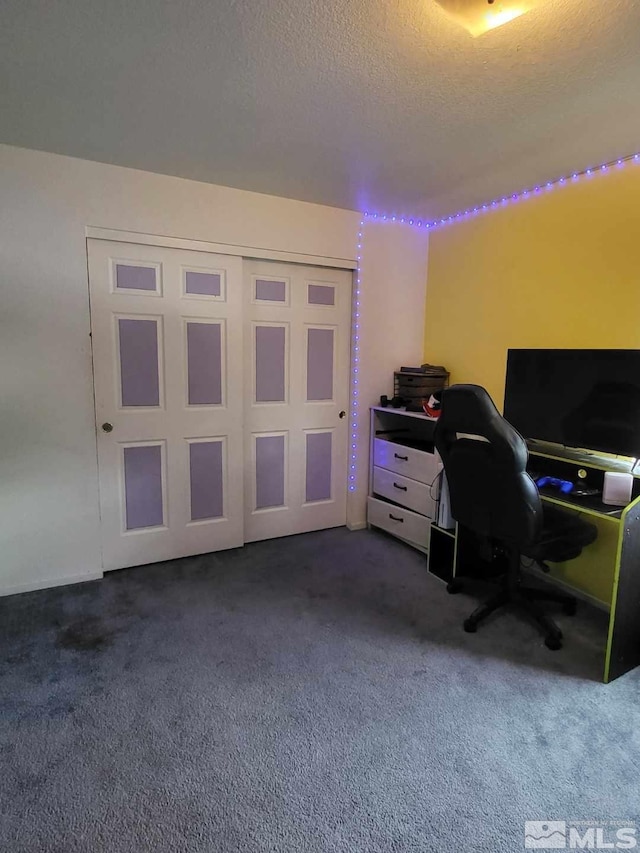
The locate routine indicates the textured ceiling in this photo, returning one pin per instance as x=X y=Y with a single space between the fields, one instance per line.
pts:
x=383 y=105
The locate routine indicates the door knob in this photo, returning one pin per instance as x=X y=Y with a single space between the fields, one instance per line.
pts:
x=342 y=414
x=107 y=427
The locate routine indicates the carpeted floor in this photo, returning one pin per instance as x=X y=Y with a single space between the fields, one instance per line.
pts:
x=315 y=693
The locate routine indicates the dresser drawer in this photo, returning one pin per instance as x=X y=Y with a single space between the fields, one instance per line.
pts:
x=402 y=522
x=416 y=464
x=405 y=491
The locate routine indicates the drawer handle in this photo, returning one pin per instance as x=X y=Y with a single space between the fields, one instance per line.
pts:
x=396 y=519
x=404 y=458
x=402 y=488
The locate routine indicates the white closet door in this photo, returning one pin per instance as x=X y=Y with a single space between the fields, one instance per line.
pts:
x=297 y=338
x=167 y=349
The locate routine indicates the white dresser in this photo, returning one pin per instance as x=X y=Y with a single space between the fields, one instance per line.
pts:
x=404 y=471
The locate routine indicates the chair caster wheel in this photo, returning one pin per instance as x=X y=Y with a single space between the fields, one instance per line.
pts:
x=570 y=608
x=469 y=626
x=454 y=587
x=553 y=642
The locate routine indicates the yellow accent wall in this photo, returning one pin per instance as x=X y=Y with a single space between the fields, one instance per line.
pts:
x=561 y=269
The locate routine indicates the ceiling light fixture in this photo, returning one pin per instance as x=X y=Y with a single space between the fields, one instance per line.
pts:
x=479 y=16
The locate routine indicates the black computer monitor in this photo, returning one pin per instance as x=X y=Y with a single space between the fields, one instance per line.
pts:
x=586 y=398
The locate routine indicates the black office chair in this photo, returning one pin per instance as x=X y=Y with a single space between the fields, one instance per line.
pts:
x=485 y=460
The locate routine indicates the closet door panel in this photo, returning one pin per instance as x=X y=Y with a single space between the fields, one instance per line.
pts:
x=167 y=338
x=297 y=326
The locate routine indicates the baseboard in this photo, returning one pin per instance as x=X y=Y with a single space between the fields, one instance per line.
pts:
x=359 y=525
x=34 y=586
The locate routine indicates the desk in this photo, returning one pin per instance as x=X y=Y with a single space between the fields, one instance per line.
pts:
x=607 y=572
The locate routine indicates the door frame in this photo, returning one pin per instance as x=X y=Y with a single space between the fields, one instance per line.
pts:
x=253 y=252
x=249 y=252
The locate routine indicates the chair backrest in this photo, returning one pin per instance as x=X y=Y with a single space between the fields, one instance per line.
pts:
x=485 y=461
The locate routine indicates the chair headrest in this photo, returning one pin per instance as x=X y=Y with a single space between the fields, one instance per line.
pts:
x=469 y=411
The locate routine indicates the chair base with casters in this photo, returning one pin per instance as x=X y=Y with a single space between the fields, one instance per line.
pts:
x=525 y=599
x=563 y=537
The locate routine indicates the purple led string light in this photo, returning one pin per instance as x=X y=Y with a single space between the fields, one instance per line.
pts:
x=506 y=200
x=355 y=364
x=434 y=224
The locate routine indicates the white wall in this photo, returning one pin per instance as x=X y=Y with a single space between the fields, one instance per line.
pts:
x=49 y=519
x=393 y=275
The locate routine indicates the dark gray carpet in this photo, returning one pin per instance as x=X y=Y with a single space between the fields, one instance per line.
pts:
x=315 y=693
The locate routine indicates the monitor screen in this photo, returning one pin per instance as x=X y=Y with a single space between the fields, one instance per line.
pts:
x=579 y=398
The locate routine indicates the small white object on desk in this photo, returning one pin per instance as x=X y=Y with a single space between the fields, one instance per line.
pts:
x=617 y=488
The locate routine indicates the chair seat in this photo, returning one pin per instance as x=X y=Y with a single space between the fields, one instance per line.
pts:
x=564 y=535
